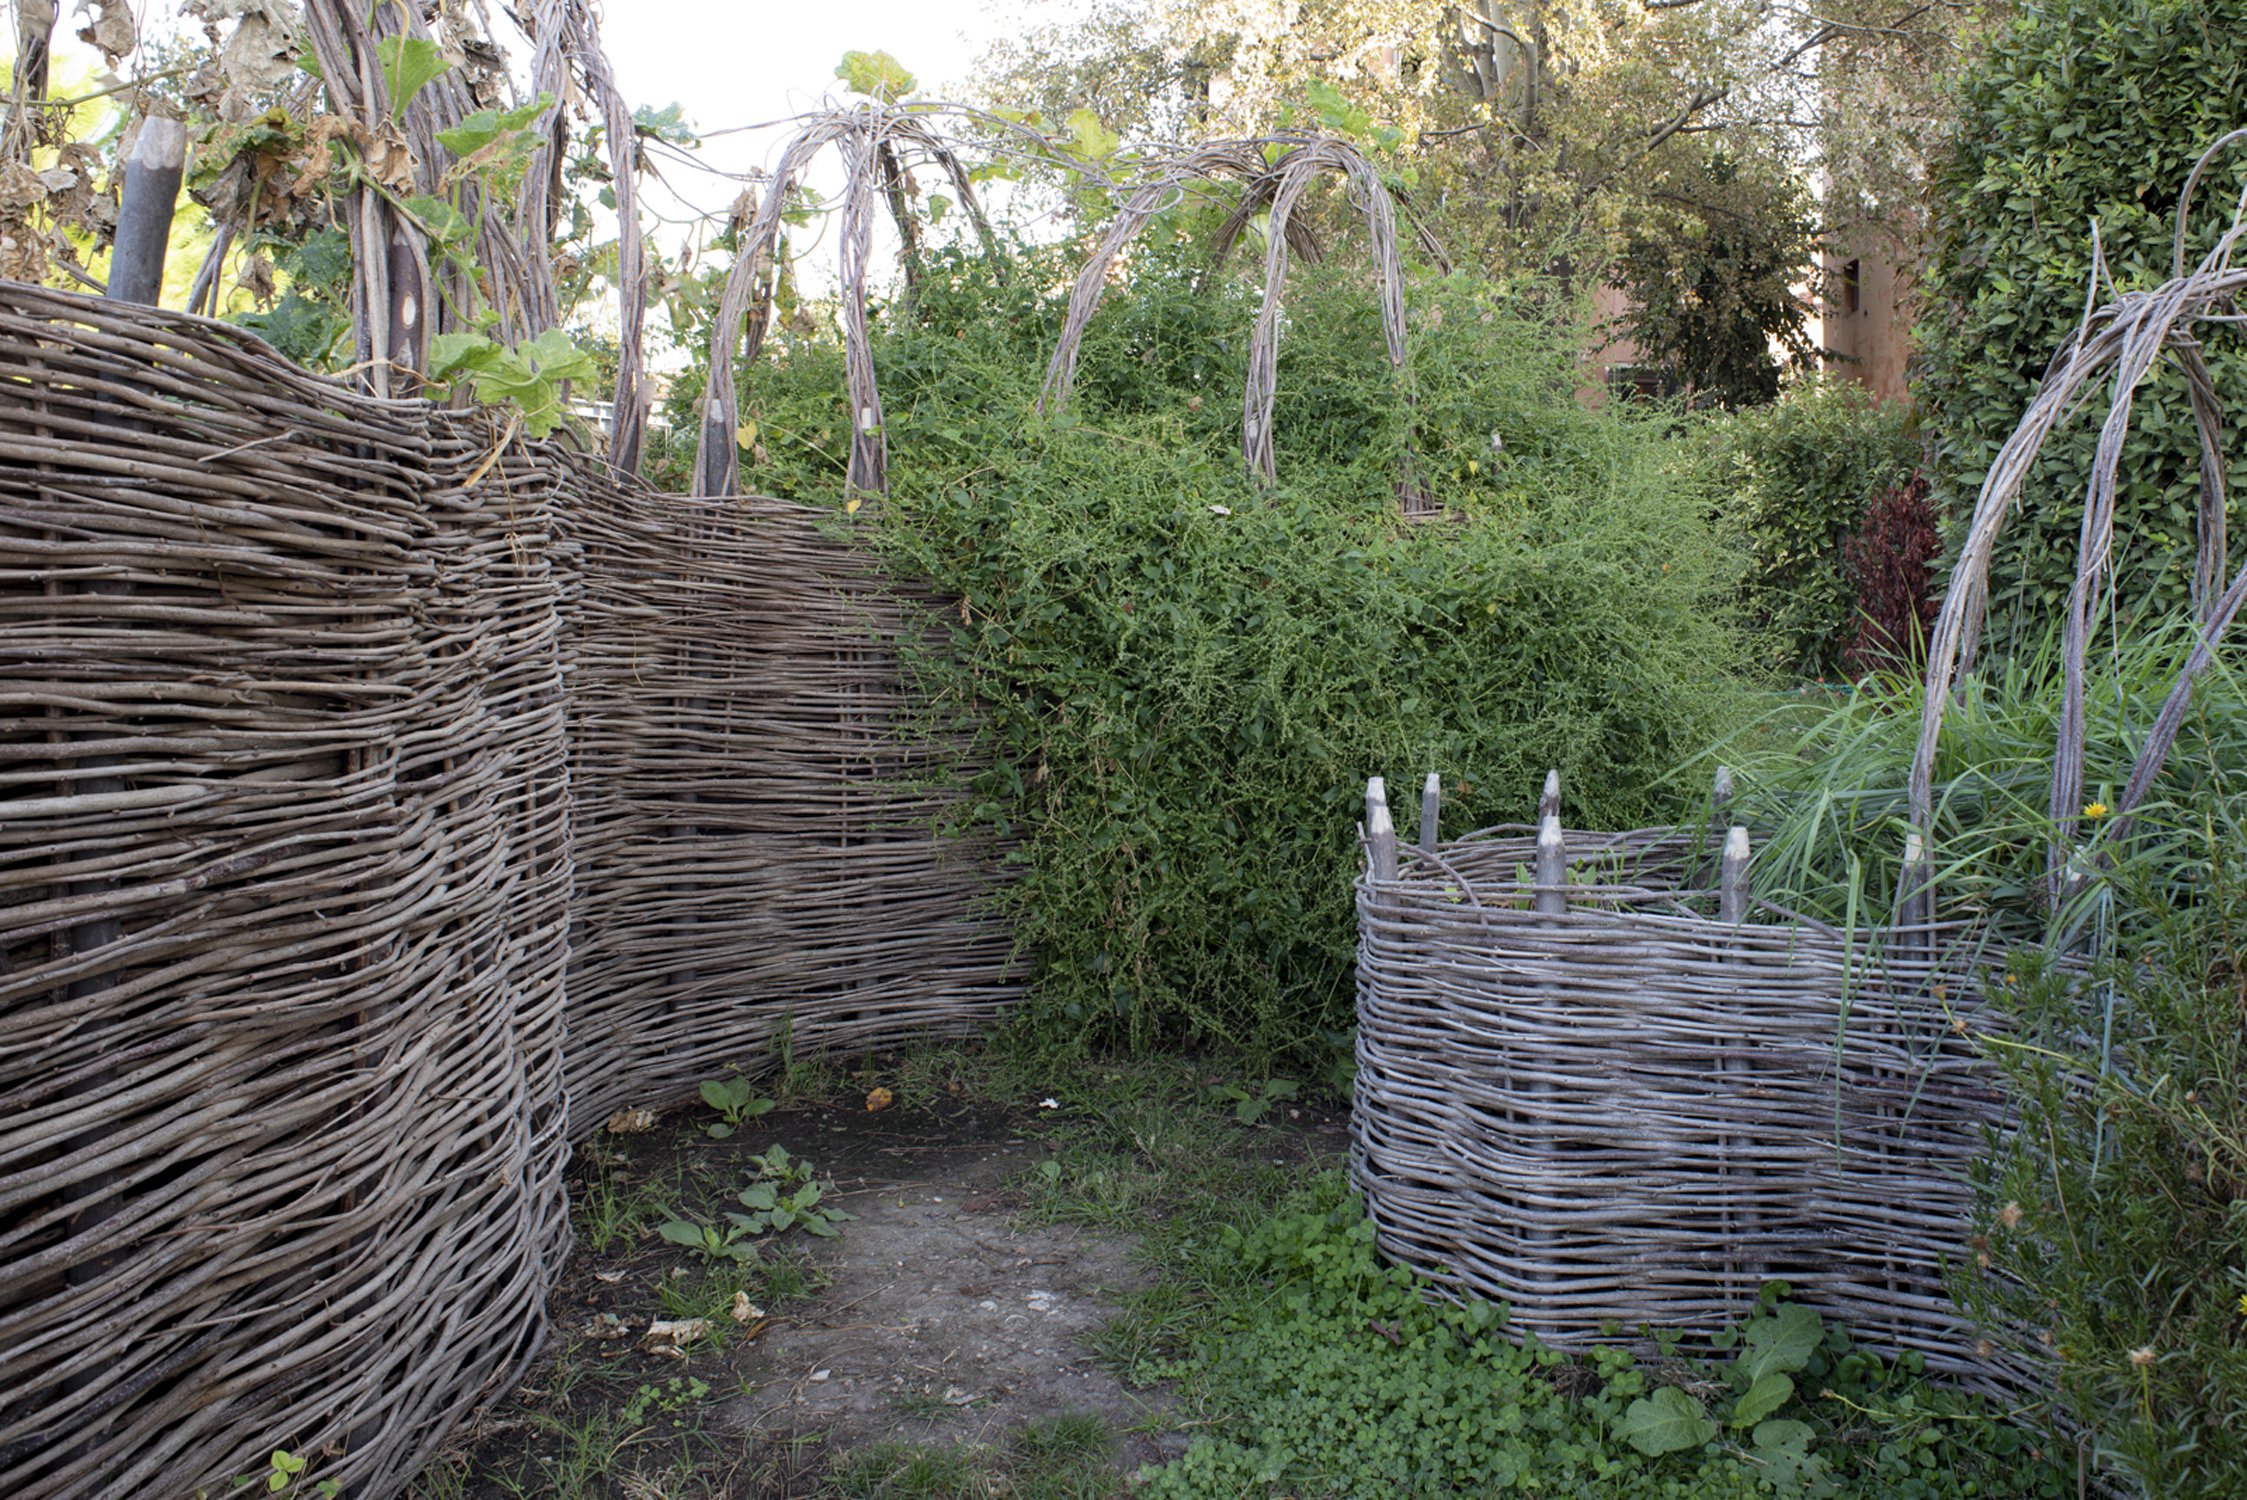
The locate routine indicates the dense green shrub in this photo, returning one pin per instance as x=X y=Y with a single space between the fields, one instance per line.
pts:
x=2115 y=1221
x=1800 y=475
x=1185 y=680
x=2079 y=111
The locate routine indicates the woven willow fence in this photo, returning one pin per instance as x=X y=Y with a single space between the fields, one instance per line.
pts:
x=1589 y=1087
x=1597 y=1081
x=349 y=760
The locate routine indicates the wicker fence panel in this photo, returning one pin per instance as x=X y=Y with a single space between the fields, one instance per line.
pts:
x=756 y=844
x=1632 y=1113
x=283 y=892
x=349 y=757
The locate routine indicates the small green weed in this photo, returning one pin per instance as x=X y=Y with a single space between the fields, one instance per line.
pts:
x=1251 y=1102
x=785 y=1196
x=736 y=1100
x=668 y=1401
x=611 y=1209
x=285 y=1475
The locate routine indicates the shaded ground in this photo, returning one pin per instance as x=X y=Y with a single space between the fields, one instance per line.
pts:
x=945 y=1321
x=943 y=1343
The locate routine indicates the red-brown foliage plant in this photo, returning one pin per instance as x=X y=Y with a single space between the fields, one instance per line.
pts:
x=1891 y=561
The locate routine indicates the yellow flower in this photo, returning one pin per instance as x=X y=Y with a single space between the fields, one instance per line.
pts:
x=2095 y=811
x=2243 y=1304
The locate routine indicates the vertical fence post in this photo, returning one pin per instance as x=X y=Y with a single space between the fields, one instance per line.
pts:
x=1431 y=812
x=1380 y=831
x=1548 y=805
x=1552 y=865
x=144 y=211
x=1736 y=1158
x=1732 y=881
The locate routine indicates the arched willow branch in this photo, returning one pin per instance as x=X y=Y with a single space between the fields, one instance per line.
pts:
x=568 y=40
x=395 y=299
x=1280 y=182
x=866 y=139
x=2121 y=342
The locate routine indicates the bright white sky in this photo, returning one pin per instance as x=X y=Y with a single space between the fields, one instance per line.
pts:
x=731 y=64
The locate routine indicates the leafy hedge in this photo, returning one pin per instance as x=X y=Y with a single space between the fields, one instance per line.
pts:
x=1801 y=474
x=1185 y=681
x=2080 y=110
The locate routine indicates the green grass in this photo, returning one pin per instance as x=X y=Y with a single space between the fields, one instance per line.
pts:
x=1066 y=1457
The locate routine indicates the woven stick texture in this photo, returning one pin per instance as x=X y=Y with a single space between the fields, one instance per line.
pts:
x=284 y=876
x=347 y=756
x=1632 y=1113
x=755 y=847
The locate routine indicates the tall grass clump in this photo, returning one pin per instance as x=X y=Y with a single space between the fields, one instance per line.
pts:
x=1823 y=782
x=1182 y=680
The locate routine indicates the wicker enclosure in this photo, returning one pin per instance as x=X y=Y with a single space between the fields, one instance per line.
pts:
x=1597 y=1089
x=350 y=759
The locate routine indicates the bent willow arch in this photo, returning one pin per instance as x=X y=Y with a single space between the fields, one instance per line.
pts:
x=2123 y=338
x=869 y=141
x=1280 y=182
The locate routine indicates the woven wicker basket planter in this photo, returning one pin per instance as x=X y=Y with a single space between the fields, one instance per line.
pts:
x=1622 y=1109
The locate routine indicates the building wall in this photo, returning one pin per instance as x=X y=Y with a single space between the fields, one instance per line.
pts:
x=1866 y=317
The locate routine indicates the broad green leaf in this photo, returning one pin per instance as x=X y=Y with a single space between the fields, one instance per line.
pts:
x=1769 y=1392
x=454 y=354
x=817 y=1224
x=876 y=75
x=1090 y=139
x=408 y=65
x=1780 y=1341
x=680 y=1232
x=714 y=1094
x=717 y=1132
x=445 y=224
x=759 y=1196
x=1669 y=1421
x=668 y=123
x=487 y=125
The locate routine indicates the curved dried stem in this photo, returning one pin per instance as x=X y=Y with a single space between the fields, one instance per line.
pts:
x=2120 y=342
x=1279 y=182
x=861 y=136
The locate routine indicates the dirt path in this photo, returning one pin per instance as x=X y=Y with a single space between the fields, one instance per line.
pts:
x=936 y=1318
x=945 y=1321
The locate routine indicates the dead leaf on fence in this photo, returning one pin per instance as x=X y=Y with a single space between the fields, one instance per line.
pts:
x=630 y=1122
x=112 y=29
x=669 y=1337
x=606 y=1326
x=879 y=1099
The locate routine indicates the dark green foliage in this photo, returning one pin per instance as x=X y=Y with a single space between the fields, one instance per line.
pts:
x=1185 y=681
x=1801 y=474
x=1712 y=272
x=312 y=315
x=1334 y=1376
x=2116 y=1221
x=2080 y=110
